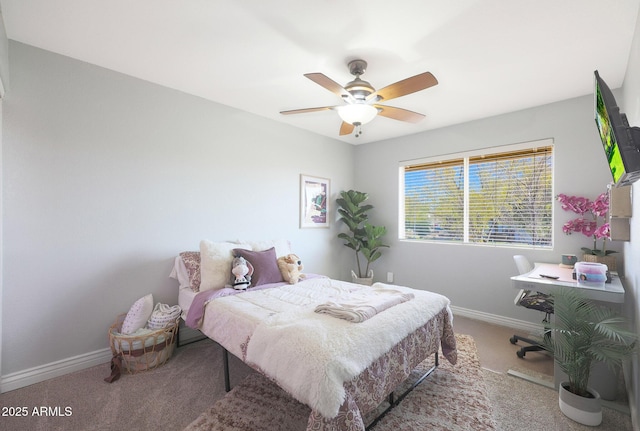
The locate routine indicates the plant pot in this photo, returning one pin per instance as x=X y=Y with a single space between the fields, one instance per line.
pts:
x=587 y=411
x=368 y=281
x=609 y=260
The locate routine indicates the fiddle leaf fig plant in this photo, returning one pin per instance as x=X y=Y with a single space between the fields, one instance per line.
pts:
x=363 y=237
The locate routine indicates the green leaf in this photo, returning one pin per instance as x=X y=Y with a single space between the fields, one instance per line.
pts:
x=583 y=332
x=363 y=237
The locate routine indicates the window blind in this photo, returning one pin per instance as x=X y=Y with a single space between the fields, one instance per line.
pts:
x=499 y=198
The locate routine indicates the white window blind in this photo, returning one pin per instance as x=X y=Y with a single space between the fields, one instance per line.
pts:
x=502 y=198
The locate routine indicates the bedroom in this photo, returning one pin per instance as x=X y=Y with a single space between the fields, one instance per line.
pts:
x=107 y=177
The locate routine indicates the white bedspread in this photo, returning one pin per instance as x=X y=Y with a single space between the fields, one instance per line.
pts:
x=310 y=354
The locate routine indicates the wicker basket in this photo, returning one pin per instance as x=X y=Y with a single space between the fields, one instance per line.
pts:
x=608 y=260
x=141 y=353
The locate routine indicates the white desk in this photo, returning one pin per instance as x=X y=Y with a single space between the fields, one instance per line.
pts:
x=612 y=292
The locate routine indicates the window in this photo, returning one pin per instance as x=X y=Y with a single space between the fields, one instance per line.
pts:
x=500 y=196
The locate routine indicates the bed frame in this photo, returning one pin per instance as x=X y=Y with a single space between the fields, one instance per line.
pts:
x=391 y=399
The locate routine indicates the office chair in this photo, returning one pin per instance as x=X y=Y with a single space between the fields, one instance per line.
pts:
x=534 y=301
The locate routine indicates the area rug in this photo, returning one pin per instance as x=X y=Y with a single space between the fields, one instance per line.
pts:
x=518 y=405
x=452 y=398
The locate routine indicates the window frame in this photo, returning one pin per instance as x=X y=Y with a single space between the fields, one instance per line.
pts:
x=466 y=156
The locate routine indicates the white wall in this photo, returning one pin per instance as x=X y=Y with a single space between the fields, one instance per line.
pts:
x=630 y=104
x=106 y=178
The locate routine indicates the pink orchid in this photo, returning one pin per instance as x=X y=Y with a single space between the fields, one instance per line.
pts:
x=603 y=231
x=578 y=205
x=601 y=205
x=597 y=208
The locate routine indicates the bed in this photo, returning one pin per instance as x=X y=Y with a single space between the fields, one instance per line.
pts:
x=341 y=369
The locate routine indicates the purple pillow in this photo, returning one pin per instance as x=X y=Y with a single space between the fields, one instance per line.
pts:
x=265 y=265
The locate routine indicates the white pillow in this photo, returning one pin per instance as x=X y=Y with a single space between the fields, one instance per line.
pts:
x=215 y=263
x=282 y=246
x=138 y=315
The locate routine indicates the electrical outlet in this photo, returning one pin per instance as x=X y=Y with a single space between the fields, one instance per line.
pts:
x=389 y=277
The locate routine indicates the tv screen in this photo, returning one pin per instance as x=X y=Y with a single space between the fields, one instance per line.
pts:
x=620 y=142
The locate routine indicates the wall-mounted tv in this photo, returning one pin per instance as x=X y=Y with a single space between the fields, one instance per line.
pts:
x=621 y=143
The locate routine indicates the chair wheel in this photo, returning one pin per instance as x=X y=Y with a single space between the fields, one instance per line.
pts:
x=513 y=340
x=520 y=354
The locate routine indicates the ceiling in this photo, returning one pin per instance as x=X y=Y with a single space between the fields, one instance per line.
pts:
x=489 y=56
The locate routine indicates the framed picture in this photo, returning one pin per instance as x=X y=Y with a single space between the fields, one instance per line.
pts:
x=314 y=201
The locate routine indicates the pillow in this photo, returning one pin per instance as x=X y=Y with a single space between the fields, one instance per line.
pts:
x=191 y=260
x=138 y=315
x=265 y=265
x=215 y=263
x=282 y=246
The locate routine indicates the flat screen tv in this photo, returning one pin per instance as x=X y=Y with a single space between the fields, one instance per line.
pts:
x=621 y=143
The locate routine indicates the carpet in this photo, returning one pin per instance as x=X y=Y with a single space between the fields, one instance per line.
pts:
x=452 y=398
x=528 y=406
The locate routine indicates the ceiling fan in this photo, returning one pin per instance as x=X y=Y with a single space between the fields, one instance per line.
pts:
x=361 y=99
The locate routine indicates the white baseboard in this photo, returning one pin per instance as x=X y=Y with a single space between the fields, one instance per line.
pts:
x=520 y=325
x=41 y=373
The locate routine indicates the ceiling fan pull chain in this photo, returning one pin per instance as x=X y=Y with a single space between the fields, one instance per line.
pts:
x=358 y=130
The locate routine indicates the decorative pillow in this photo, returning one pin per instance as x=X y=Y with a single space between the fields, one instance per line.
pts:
x=215 y=263
x=191 y=261
x=265 y=265
x=138 y=315
x=282 y=246
x=163 y=315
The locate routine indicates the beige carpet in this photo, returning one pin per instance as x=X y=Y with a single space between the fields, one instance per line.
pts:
x=174 y=395
x=535 y=407
x=452 y=398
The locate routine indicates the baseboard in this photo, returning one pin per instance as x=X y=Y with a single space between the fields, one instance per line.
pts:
x=520 y=325
x=41 y=373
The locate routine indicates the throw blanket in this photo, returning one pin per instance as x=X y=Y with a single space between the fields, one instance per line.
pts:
x=364 y=305
x=311 y=355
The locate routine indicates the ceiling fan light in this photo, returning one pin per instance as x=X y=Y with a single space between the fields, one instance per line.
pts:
x=357 y=113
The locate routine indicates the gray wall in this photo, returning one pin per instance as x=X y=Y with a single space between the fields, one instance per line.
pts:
x=4 y=81
x=107 y=178
x=477 y=277
x=4 y=55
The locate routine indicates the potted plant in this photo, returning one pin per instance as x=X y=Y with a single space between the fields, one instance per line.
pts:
x=363 y=237
x=592 y=213
x=582 y=334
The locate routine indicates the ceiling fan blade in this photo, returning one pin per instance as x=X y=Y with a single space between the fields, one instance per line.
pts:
x=346 y=128
x=329 y=84
x=399 y=113
x=406 y=86
x=304 y=110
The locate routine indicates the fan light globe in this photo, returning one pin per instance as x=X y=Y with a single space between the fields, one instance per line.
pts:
x=357 y=113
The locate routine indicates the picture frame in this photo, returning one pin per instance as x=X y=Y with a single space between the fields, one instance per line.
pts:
x=315 y=193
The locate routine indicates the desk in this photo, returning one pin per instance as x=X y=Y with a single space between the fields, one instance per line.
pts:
x=612 y=292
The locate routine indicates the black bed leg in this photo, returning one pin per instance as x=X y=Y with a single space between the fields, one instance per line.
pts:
x=225 y=361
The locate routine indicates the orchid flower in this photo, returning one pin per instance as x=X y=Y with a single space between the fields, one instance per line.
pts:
x=588 y=227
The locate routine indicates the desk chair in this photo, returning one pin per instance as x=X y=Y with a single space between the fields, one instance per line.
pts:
x=535 y=301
